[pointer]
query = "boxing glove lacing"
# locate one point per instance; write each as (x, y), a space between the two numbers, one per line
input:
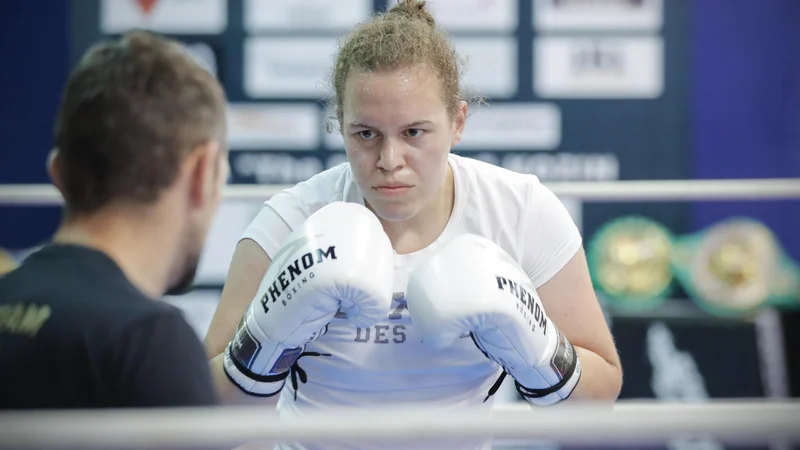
(499, 382)
(524, 391)
(297, 371)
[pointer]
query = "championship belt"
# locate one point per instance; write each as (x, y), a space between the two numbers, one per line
(629, 262)
(786, 283)
(734, 267)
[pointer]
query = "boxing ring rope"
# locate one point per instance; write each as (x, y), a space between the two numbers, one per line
(618, 191)
(634, 423)
(739, 422)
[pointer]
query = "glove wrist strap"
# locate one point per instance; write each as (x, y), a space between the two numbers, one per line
(252, 383)
(556, 393)
(565, 364)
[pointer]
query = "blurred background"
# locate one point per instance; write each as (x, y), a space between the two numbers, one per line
(579, 90)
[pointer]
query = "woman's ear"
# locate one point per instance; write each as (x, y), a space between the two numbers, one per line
(337, 113)
(459, 122)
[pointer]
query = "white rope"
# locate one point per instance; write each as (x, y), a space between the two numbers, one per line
(619, 191)
(753, 422)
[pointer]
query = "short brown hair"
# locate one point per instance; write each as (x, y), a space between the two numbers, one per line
(132, 110)
(404, 36)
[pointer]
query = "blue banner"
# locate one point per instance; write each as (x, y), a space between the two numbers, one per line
(35, 64)
(746, 105)
(728, 104)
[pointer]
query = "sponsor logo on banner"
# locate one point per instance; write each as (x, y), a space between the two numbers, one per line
(287, 67)
(491, 68)
(253, 126)
(556, 166)
(475, 15)
(598, 14)
(513, 126)
(164, 16)
(676, 378)
(599, 67)
(269, 15)
(279, 167)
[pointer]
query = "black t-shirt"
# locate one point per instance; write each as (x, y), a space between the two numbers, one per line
(75, 333)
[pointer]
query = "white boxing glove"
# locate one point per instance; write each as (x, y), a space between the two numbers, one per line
(472, 286)
(340, 258)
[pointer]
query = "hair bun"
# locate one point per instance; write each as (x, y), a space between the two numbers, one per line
(414, 10)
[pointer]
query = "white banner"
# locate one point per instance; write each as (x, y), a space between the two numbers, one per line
(598, 67)
(164, 16)
(287, 67)
(254, 126)
(475, 15)
(492, 63)
(561, 166)
(611, 15)
(281, 15)
(333, 140)
(226, 229)
(275, 167)
(513, 126)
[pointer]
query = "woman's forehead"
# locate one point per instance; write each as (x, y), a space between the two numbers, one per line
(407, 90)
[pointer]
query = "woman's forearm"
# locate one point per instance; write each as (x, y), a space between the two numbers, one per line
(600, 380)
(230, 394)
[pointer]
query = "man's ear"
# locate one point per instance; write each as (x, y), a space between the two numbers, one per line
(54, 169)
(202, 166)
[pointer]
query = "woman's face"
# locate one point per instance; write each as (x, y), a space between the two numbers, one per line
(398, 133)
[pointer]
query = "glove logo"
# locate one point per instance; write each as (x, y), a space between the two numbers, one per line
(527, 305)
(564, 357)
(286, 360)
(296, 270)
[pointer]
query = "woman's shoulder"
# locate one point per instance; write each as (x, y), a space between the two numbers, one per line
(325, 187)
(485, 173)
(491, 186)
(289, 208)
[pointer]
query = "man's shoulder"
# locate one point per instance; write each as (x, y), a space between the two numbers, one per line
(62, 312)
(77, 290)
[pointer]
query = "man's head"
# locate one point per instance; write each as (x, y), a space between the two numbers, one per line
(142, 126)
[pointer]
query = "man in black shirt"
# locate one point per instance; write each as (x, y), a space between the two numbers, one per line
(140, 160)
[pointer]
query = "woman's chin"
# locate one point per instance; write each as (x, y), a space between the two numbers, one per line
(393, 211)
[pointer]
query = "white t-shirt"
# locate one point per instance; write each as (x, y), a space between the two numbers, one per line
(387, 363)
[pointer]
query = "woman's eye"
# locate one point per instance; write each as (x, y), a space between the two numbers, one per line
(415, 132)
(366, 134)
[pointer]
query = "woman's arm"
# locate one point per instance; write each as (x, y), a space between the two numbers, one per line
(248, 267)
(571, 303)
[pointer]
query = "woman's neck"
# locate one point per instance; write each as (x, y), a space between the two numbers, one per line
(425, 227)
